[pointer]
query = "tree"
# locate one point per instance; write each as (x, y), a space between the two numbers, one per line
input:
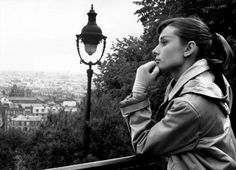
(109, 138)
(56, 143)
(118, 70)
(10, 142)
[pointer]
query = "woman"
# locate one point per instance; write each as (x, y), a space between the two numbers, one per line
(195, 132)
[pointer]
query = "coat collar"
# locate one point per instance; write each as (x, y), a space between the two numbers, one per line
(198, 80)
(197, 68)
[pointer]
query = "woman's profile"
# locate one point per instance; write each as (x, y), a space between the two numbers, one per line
(195, 131)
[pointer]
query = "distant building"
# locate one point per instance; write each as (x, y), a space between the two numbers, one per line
(40, 110)
(69, 106)
(5, 101)
(20, 92)
(14, 110)
(19, 115)
(70, 109)
(25, 100)
(27, 103)
(30, 105)
(26, 123)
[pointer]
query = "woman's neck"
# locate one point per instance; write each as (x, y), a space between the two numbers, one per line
(179, 71)
(176, 75)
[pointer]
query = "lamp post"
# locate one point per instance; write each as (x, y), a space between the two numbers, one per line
(91, 36)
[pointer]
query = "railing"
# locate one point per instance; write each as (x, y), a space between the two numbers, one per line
(134, 162)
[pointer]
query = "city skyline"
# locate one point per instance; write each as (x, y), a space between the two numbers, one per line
(40, 35)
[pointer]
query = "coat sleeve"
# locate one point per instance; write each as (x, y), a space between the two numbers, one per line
(177, 132)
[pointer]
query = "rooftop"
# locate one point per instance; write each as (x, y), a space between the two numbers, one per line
(27, 118)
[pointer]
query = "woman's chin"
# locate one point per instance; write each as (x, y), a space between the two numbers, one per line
(161, 68)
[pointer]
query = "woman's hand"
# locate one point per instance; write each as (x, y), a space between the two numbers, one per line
(145, 74)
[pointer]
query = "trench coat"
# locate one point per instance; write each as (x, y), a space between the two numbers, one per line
(195, 132)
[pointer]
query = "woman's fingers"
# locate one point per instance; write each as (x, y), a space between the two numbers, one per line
(155, 71)
(149, 66)
(150, 69)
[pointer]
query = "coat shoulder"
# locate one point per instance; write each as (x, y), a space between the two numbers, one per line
(211, 117)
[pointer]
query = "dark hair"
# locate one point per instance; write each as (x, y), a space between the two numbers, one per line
(212, 46)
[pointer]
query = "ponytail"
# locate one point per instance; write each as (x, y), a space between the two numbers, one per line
(221, 57)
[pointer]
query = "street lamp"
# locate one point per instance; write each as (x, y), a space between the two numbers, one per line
(91, 36)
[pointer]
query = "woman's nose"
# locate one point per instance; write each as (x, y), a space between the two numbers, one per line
(155, 51)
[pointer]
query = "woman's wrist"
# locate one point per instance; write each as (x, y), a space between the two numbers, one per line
(139, 95)
(133, 98)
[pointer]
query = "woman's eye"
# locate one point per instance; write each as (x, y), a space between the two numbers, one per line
(163, 42)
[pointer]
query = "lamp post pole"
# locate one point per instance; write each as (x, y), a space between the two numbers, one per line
(91, 35)
(86, 138)
(89, 75)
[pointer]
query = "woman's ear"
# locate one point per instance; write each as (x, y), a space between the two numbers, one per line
(190, 49)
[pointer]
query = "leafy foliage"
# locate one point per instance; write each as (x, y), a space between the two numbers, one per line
(118, 70)
(56, 143)
(10, 141)
(109, 138)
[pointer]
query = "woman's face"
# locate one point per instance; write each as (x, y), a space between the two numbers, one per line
(169, 53)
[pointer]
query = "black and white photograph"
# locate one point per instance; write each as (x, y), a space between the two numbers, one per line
(117, 84)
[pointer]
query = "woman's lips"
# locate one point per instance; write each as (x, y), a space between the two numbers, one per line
(157, 61)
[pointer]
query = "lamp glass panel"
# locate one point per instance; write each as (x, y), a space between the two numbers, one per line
(90, 48)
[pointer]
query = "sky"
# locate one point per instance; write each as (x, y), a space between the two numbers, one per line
(39, 35)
